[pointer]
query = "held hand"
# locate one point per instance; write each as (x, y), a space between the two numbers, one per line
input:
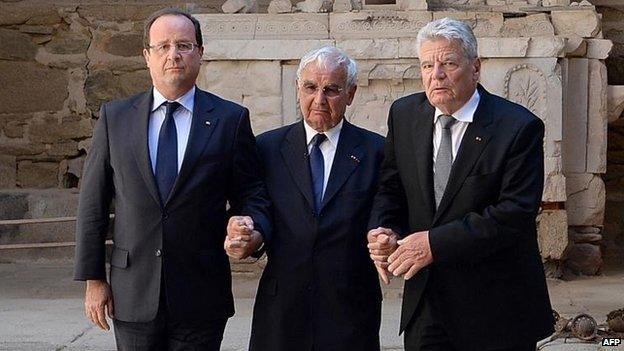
(413, 254)
(98, 298)
(381, 243)
(240, 228)
(242, 247)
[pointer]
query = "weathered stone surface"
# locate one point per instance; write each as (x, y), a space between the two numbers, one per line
(264, 26)
(597, 118)
(8, 172)
(63, 148)
(598, 48)
(64, 42)
(483, 24)
(584, 259)
(584, 23)
(552, 234)
(123, 44)
(15, 129)
(46, 87)
(102, 86)
(37, 174)
(237, 79)
(32, 14)
(554, 180)
(585, 238)
(409, 5)
(372, 25)
(50, 130)
(370, 48)
(42, 30)
(285, 6)
(529, 26)
(97, 13)
(314, 6)
(499, 47)
(574, 146)
(546, 47)
(575, 46)
(615, 101)
(555, 2)
(20, 147)
(586, 199)
(240, 6)
(260, 49)
(77, 101)
(16, 45)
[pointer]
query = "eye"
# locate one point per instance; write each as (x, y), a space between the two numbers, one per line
(332, 91)
(185, 47)
(426, 66)
(162, 48)
(309, 88)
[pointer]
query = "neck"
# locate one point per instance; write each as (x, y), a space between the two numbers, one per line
(172, 94)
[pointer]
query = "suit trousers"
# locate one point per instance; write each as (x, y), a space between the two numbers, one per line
(425, 332)
(166, 334)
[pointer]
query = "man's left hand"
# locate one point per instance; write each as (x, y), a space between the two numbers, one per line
(412, 255)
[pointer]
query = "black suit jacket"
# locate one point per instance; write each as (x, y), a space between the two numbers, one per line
(319, 286)
(180, 240)
(487, 273)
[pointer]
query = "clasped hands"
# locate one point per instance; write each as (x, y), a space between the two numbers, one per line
(241, 240)
(398, 257)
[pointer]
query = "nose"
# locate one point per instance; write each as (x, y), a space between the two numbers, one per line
(319, 97)
(173, 52)
(438, 71)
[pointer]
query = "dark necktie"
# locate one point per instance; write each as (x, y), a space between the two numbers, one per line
(317, 168)
(444, 158)
(167, 154)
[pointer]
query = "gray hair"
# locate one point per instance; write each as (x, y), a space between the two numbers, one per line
(330, 57)
(449, 29)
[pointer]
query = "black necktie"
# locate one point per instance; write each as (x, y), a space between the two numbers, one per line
(317, 168)
(167, 154)
(444, 158)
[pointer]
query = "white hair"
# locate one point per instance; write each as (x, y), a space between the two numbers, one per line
(330, 57)
(449, 29)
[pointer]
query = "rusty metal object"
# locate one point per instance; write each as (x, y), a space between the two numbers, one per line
(584, 327)
(615, 320)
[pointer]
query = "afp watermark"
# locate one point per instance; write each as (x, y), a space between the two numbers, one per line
(611, 342)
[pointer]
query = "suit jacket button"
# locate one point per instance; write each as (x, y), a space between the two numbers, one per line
(158, 253)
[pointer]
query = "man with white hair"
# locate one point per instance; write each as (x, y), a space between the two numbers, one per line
(319, 290)
(460, 186)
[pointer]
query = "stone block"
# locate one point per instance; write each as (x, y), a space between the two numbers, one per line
(285, 6)
(260, 49)
(575, 46)
(50, 130)
(584, 259)
(265, 112)
(574, 146)
(261, 78)
(554, 180)
(116, 51)
(597, 118)
(67, 43)
(370, 48)
(529, 26)
(46, 87)
(483, 24)
(314, 6)
(16, 46)
(240, 6)
(586, 199)
(369, 24)
(123, 44)
(99, 12)
(546, 47)
(20, 147)
(40, 30)
(219, 26)
(584, 23)
(503, 47)
(15, 129)
(292, 26)
(33, 13)
(552, 234)
(550, 3)
(37, 174)
(585, 238)
(103, 85)
(599, 48)
(63, 148)
(615, 101)
(8, 173)
(409, 5)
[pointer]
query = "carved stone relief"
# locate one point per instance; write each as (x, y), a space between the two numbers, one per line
(526, 85)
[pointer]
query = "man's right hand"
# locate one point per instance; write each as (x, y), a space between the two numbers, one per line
(99, 298)
(382, 242)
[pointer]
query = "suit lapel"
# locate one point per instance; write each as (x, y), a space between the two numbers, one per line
(295, 153)
(473, 142)
(139, 125)
(422, 132)
(203, 123)
(347, 158)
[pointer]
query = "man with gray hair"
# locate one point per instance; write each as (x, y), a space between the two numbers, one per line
(460, 186)
(319, 290)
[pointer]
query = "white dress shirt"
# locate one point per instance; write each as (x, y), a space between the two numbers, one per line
(182, 118)
(464, 117)
(328, 147)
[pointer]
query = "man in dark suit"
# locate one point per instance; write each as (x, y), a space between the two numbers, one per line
(168, 159)
(319, 290)
(461, 185)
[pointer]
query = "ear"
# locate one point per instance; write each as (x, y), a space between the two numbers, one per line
(476, 67)
(200, 50)
(146, 56)
(351, 95)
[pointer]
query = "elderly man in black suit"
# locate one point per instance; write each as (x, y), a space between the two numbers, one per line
(319, 290)
(169, 159)
(460, 186)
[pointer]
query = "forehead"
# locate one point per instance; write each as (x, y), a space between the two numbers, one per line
(172, 27)
(440, 47)
(326, 73)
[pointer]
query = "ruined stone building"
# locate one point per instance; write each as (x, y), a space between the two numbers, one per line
(563, 60)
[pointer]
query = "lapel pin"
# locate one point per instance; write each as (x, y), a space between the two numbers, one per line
(478, 139)
(207, 123)
(357, 160)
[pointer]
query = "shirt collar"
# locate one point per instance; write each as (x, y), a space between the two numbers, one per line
(187, 100)
(332, 135)
(466, 112)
